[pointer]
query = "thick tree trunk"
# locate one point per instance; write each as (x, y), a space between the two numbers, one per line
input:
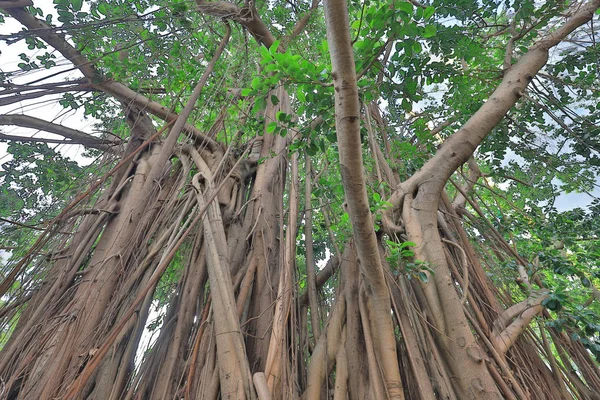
(347, 123)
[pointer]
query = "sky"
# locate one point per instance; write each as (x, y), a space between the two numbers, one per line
(49, 109)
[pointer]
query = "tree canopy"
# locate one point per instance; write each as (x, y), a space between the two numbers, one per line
(299, 200)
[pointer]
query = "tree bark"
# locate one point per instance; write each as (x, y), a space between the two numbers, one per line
(347, 122)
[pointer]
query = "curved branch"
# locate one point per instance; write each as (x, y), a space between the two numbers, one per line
(322, 277)
(45, 32)
(247, 16)
(78, 85)
(457, 149)
(74, 136)
(505, 336)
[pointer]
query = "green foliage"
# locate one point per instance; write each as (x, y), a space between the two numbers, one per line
(398, 251)
(400, 258)
(36, 181)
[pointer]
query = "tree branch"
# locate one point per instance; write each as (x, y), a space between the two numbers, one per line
(457, 149)
(247, 16)
(75, 136)
(39, 90)
(15, 4)
(45, 32)
(301, 23)
(470, 181)
(523, 312)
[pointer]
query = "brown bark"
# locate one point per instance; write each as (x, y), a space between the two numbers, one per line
(311, 275)
(74, 136)
(351, 167)
(463, 355)
(277, 358)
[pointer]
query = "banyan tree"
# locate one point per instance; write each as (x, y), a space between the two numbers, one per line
(296, 200)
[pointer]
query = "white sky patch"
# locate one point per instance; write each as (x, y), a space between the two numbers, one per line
(47, 107)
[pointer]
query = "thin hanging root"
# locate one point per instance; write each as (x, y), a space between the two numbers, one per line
(341, 370)
(43, 238)
(246, 286)
(192, 360)
(255, 223)
(91, 366)
(373, 144)
(311, 280)
(375, 373)
(325, 350)
(465, 293)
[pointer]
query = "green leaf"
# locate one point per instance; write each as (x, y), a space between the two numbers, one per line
(412, 30)
(259, 104)
(406, 7)
(257, 83)
(103, 8)
(430, 31)
(265, 55)
(325, 46)
(586, 282)
(301, 95)
(65, 15)
(271, 68)
(312, 150)
(246, 92)
(417, 48)
(271, 126)
(274, 47)
(429, 11)
(274, 100)
(76, 4)
(419, 13)
(376, 197)
(551, 304)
